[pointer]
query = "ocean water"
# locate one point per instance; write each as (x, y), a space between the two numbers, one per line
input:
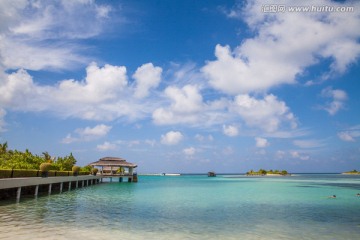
(193, 207)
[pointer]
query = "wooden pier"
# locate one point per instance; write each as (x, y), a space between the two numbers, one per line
(70, 181)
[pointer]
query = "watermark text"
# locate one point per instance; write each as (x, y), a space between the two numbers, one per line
(279, 8)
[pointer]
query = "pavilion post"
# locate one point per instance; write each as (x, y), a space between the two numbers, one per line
(18, 194)
(36, 190)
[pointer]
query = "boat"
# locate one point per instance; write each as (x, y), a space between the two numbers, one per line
(211, 174)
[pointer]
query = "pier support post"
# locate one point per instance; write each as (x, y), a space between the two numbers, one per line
(83, 183)
(69, 186)
(120, 179)
(36, 190)
(77, 184)
(61, 187)
(87, 182)
(18, 194)
(50, 185)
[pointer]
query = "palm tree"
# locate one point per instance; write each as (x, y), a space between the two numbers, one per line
(47, 157)
(3, 147)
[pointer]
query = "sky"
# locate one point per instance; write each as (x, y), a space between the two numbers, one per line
(184, 86)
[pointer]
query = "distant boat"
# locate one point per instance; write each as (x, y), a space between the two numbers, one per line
(211, 174)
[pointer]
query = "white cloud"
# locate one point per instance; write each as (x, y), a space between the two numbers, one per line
(171, 138)
(199, 137)
(301, 156)
(69, 139)
(267, 113)
(230, 130)
(106, 146)
(283, 47)
(202, 138)
(350, 134)
(151, 142)
(189, 151)
(95, 132)
(261, 142)
(280, 154)
(309, 143)
(103, 95)
(42, 35)
(147, 77)
(346, 136)
(338, 98)
(88, 133)
(16, 89)
(2, 121)
(186, 103)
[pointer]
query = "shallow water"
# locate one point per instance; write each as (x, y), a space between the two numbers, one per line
(193, 207)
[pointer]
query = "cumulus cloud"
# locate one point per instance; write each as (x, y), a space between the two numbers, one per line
(298, 155)
(346, 136)
(147, 76)
(88, 133)
(261, 142)
(189, 151)
(230, 130)
(338, 98)
(171, 138)
(97, 131)
(186, 103)
(267, 113)
(106, 146)
(187, 107)
(283, 46)
(104, 94)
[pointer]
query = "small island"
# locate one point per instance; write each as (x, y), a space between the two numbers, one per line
(263, 172)
(352, 172)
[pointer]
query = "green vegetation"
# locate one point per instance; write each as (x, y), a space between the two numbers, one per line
(14, 159)
(263, 172)
(45, 167)
(94, 171)
(352, 172)
(14, 163)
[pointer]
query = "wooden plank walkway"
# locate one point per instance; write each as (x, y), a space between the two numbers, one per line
(18, 183)
(33, 181)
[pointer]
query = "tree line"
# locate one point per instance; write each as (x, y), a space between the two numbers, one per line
(14, 159)
(264, 172)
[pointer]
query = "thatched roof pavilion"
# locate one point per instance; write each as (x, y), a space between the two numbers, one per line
(113, 162)
(114, 166)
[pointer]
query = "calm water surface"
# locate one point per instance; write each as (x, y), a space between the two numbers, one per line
(193, 207)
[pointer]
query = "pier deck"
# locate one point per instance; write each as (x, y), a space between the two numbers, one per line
(18, 183)
(33, 181)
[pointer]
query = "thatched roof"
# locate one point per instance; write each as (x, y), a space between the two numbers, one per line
(114, 162)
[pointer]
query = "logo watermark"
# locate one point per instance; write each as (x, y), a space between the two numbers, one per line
(279, 8)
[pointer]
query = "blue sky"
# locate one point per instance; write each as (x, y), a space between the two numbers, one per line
(183, 86)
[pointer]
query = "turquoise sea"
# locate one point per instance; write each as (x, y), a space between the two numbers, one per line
(193, 207)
